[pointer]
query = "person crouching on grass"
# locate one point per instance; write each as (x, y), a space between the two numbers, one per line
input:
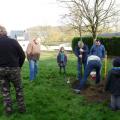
(62, 59)
(93, 63)
(113, 84)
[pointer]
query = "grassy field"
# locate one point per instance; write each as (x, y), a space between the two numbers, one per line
(50, 98)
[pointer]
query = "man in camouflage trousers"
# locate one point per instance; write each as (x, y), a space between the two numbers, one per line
(11, 60)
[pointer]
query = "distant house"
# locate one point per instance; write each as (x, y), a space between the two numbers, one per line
(21, 36)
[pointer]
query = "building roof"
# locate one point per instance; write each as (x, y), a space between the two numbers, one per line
(115, 34)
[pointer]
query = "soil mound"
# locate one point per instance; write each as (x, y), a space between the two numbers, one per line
(92, 92)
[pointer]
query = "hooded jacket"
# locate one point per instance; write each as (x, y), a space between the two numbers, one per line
(113, 81)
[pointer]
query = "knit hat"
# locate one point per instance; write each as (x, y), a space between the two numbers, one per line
(116, 62)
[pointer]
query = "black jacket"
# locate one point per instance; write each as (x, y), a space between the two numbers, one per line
(113, 82)
(11, 53)
(85, 53)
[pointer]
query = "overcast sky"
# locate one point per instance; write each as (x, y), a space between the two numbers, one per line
(21, 14)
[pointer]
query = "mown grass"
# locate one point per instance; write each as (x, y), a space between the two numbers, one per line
(50, 98)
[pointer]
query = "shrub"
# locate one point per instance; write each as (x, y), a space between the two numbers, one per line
(112, 45)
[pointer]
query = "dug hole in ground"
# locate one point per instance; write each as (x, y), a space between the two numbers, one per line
(92, 92)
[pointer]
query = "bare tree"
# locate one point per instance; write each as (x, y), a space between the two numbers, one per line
(90, 15)
(73, 18)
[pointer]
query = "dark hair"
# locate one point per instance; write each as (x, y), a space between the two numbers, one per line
(98, 40)
(116, 62)
(61, 49)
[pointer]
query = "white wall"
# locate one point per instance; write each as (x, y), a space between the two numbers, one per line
(23, 44)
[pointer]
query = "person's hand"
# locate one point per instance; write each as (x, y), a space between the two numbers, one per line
(81, 50)
(80, 56)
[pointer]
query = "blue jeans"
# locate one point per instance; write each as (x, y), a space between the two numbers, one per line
(79, 68)
(92, 65)
(33, 69)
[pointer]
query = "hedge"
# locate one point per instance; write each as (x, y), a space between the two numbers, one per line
(112, 45)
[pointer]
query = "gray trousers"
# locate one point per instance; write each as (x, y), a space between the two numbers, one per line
(115, 102)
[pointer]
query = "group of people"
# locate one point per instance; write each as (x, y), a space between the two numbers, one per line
(12, 58)
(91, 60)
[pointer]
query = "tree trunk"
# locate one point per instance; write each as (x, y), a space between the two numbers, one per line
(94, 36)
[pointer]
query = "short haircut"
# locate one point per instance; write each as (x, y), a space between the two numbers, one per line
(2, 31)
(98, 40)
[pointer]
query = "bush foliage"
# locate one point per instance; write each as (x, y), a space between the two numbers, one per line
(112, 45)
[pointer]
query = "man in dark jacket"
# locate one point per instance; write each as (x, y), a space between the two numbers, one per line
(81, 51)
(113, 84)
(11, 60)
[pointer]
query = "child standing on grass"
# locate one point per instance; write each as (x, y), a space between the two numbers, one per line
(113, 84)
(62, 59)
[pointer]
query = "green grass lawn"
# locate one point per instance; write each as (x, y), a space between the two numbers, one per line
(50, 98)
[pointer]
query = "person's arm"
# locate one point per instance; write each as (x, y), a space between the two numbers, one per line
(91, 50)
(65, 59)
(103, 51)
(76, 52)
(86, 50)
(29, 49)
(21, 54)
(58, 58)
